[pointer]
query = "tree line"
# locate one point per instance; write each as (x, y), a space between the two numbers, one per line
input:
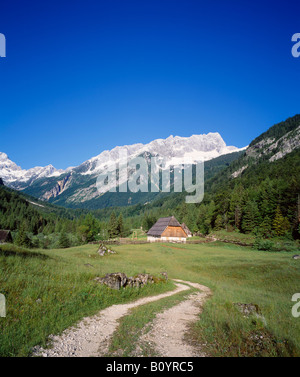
(264, 200)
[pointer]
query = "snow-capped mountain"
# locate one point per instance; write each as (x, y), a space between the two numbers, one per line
(77, 185)
(173, 150)
(14, 176)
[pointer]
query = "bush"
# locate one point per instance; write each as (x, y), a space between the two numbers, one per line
(261, 244)
(276, 244)
(22, 239)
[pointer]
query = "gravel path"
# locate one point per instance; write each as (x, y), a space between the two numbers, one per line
(167, 330)
(91, 336)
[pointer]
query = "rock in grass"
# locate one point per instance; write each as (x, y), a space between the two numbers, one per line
(165, 275)
(251, 310)
(119, 280)
(103, 250)
(247, 309)
(114, 280)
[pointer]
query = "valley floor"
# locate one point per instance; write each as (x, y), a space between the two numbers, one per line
(49, 291)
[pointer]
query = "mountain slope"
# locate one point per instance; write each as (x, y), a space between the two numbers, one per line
(278, 141)
(76, 187)
(19, 211)
(259, 192)
(263, 198)
(16, 177)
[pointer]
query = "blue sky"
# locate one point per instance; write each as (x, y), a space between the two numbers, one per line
(84, 76)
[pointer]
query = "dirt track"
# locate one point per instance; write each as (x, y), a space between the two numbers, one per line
(91, 336)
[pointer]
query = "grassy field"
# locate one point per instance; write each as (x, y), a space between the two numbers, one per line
(47, 291)
(222, 235)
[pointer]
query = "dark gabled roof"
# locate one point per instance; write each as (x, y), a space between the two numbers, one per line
(186, 229)
(5, 235)
(161, 224)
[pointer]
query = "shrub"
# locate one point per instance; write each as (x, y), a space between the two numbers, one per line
(261, 244)
(276, 244)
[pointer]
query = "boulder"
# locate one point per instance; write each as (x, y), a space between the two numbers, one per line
(145, 279)
(119, 279)
(122, 277)
(103, 250)
(134, 282)
(114, 281)
(247, 309)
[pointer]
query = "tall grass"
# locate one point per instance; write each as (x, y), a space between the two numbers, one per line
(236, 274)
(49, 290)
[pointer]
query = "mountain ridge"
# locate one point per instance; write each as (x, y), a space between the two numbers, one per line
(76, 187)
(47, 183)
(246, 201)
(205, 146)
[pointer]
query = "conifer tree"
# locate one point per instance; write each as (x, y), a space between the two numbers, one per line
(281, 224)
(120, 227)
(250, 217)
(148, 221)
(22, 238)
(112, 226)
(64, 240)
(219, 223)
(265, 227)
(236, 205)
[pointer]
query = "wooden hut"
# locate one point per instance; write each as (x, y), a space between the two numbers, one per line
(167, 229)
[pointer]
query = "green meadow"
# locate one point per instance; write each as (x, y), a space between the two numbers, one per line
(49, 290)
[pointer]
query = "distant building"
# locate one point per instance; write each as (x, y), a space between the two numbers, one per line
(186, 229)
(5, 236)
(167, 229)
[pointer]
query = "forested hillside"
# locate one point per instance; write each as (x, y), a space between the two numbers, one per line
(38, 223)
(255, 191)
(278, 130)
(110, 199)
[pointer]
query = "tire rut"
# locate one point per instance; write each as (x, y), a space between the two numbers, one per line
(92, 335)
(168, 329)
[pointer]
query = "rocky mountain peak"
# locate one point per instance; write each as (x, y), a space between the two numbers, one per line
(173, 149)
